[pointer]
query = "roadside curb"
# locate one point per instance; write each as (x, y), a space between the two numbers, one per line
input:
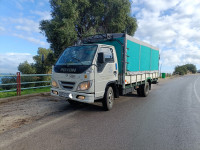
(9, 99)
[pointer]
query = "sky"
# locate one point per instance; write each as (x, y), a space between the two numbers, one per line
(171, 25)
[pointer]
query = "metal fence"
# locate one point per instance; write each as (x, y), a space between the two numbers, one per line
(18, 82)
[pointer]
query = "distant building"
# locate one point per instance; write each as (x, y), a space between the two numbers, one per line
(198, 71)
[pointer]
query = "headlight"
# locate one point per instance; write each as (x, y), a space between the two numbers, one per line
(84, 85)
(54, 83)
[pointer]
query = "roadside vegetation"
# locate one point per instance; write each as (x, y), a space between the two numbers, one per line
(185, 69)
(24, 92)
(38, 67)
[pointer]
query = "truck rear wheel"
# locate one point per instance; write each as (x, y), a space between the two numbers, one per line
(139, 91)
(108, 99)
(145, 89)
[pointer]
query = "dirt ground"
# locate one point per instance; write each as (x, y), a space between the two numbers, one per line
(17, 113)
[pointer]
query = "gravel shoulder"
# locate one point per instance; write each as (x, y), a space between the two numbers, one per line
(15, 113)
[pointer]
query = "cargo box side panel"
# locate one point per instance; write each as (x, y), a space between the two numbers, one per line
(118, 48)
(145, 58)
(133, 52)
(154, 59)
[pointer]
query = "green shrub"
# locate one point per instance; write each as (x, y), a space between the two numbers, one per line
(6, 80)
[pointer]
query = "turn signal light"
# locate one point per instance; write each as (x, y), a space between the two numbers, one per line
(55, 92)
(81, 97)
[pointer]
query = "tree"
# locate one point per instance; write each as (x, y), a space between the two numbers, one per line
(6, 80)
(191, 67)
(37, 68)
(75, 19)
(49, 60)
(181, 70)
(44, 67)
(184, 69)
(26, 68)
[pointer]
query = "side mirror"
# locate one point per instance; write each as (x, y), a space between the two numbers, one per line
(42, 59)
(101, 58)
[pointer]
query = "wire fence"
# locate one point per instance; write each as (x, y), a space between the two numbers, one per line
(20, 82)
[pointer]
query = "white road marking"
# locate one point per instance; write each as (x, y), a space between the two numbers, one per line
(195, 89)
(5, 143)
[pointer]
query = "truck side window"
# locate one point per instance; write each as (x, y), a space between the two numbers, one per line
(108, 54)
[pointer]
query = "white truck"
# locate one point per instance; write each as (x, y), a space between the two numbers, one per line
(104, 67)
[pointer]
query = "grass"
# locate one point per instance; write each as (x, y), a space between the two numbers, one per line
(24, 92)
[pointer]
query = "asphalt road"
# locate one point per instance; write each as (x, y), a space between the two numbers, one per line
(168, 119)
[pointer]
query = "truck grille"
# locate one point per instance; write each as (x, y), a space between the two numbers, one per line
(67, 85)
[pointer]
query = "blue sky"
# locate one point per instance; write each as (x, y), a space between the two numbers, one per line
(19, 22)
(171, 25)
(20, 36)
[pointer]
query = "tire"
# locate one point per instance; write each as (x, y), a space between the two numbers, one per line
(139, 91)
(108, 99)
(73, 103)
(149, 86)
(145, 89)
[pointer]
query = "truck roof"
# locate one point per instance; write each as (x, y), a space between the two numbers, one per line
(110, 36)
(98, 44)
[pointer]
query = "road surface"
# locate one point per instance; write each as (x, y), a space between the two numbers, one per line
(168, 119)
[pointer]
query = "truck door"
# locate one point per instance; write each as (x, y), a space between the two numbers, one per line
(106, 71)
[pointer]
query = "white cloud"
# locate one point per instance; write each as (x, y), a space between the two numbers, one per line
(44, 15)
(25, 24)
(22, 1)
(10, 61)
(160, 5)
(40, 4)
(24, 28)
(2, 28)
(171, 25)
(31, 39)
(19, 4)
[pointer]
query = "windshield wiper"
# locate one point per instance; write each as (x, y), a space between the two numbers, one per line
(78, 60)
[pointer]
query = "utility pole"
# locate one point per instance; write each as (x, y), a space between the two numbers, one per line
(160, 69)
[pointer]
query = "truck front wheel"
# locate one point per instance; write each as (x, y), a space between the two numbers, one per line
(108, 99)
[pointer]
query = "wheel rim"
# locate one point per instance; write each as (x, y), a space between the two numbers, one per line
(110, 98)
(147, 89)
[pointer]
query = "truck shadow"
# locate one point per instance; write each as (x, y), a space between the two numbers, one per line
(132, 95)
(97, 106)
(67, 108)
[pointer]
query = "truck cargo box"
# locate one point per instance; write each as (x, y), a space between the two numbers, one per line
(135, 55)
(138, 62)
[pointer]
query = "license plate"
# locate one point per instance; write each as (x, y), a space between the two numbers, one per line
(62, 94)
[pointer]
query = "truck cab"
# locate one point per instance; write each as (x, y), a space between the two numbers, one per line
(86, 73)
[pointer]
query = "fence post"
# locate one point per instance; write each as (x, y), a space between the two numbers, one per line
(18, 84)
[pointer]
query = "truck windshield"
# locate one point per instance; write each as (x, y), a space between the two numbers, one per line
(78, 55)
(76, 59)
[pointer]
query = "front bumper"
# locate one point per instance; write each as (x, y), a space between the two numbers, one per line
(89, 98)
